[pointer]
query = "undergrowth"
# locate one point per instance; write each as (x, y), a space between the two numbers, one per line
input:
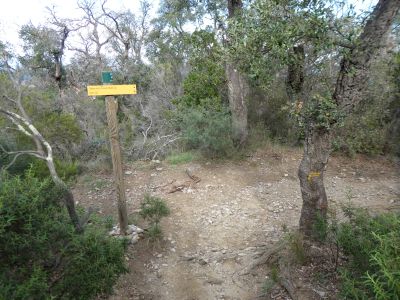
(42, 257)
(154, 209)
(371, 248)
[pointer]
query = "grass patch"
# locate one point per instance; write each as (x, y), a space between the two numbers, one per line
(181, 158)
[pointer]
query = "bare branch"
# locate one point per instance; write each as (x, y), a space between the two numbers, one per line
(10, 99)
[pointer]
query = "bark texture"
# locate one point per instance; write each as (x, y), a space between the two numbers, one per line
(351, 81)
(295, 75)
(311, 174)
(238, 89)
(354, 66)
(112, 107)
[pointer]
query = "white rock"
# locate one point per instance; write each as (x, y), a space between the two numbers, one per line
(135, 239)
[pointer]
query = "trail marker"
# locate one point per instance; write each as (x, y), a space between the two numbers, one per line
(109, 90)
(111, 109)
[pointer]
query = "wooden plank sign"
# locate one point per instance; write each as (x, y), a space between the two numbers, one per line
(110, 90)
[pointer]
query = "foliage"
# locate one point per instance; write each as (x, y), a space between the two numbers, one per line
(320, 112)
(260, 41)
(207, 130)
(393, 134)
(180, 158)
(373, 127)
(60, 129)
(42, 257)
(153, 209)
(373, 247)
(204, 85)
(67, 171)
(41, 44)
(362, 134)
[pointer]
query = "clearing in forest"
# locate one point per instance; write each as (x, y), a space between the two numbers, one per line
(227, 217)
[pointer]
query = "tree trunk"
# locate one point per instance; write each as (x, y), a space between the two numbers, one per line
(311, 175)
(238, 89)
(351, 82)
(67, 196)
(295, 74)
(237, 95)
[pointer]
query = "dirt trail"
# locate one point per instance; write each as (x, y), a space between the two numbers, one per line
(221, 224)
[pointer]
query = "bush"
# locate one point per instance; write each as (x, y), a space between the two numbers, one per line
(208, 130)
(42, 256)
(373, 247)
(180, 158)
(66, 170)
(153, 209)
(362, 134)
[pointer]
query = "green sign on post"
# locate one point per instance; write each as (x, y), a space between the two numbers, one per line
(106, 77)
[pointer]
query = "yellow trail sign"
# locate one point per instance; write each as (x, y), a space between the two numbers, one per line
(110, 90)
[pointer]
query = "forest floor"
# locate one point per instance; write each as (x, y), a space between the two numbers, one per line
(218, 225)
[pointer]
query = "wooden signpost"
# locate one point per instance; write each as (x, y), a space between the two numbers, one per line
(111, 109)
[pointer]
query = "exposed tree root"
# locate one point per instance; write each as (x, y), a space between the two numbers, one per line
(285, 279)
(266, 257)
(280, 257)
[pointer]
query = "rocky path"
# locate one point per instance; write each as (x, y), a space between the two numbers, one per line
(222, 223)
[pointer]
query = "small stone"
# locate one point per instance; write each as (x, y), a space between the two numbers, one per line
(128, 172)
(286, 175)
(134, 239)
(202, 261)
(159, 169)
(159, 255)
(320, 293)
(214, 281)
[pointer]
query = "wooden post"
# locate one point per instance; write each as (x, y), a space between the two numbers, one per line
(111, 108)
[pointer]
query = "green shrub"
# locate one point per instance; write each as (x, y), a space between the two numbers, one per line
(207, 130)
(153, 209)
(42, 257)
(66, 170)
(373, 247)
(180, 158)
(362, 134)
